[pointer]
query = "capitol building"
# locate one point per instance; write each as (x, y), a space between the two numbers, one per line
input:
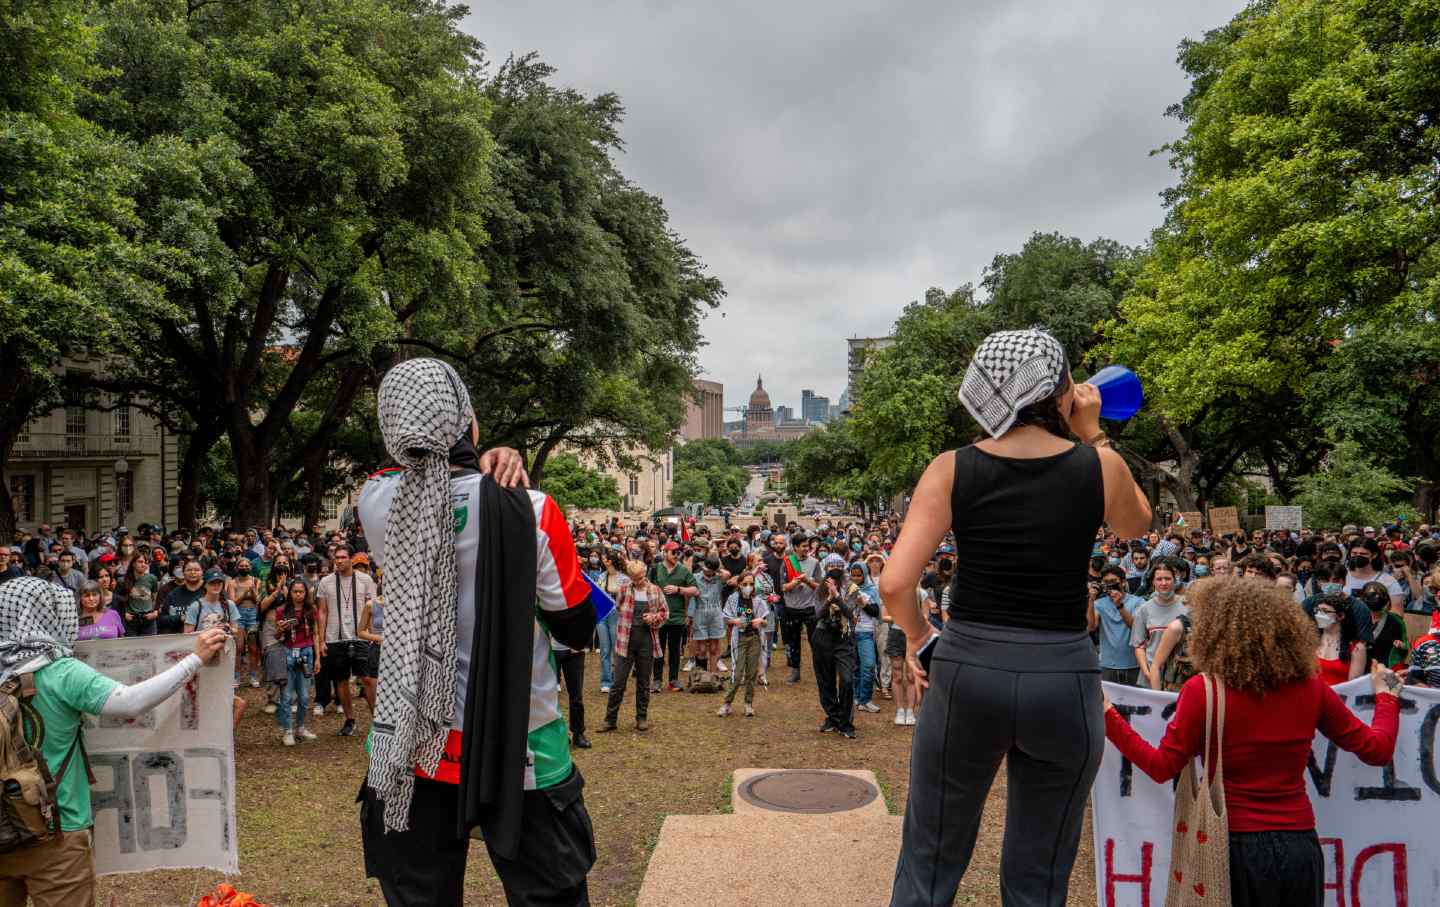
(761, 424)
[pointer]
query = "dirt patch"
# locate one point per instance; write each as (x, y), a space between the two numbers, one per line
(299, 827)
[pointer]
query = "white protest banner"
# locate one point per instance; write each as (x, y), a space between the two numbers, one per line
(1376, 825)
(164, 793)
(1278, 517)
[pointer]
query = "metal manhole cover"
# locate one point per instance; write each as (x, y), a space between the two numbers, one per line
(804, 791)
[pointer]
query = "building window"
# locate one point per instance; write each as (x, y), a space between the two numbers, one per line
(75, 428)
(22, 497)
(634, 484)
(122, 425)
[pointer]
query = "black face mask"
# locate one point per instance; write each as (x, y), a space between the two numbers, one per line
(1358, 563)
(1097, 564)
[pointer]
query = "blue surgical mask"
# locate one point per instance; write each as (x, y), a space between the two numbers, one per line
(1330, 588)
(1202, 570)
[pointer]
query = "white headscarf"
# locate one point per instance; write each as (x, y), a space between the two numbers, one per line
(424, 408)
(1009, 371)
(38, 621)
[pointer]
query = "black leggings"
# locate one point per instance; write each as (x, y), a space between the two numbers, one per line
(1030, 698)
(672, 645)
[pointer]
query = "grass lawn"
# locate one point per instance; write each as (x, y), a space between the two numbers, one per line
(298, 823)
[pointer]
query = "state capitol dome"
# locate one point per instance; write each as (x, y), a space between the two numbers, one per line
(759, 399)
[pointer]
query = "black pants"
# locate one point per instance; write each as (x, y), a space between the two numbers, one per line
(795, 627)
(572, 669)
(1030, 698)
(672, 649)
(639, 660)
(835, 659)
(1269, 868)
(1127, 676)
(425, 866)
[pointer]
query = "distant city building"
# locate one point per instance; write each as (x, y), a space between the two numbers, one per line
(813, 407)
(835, 411)
(859, 349)
(705, 419)
(761, 424)
(784, 414)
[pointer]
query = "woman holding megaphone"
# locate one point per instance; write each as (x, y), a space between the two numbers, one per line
(1014, 676)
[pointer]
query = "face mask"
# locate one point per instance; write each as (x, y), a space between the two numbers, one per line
(1324, 621)
(1114, 561)
(856, 546)
(1358, 563)
(1164, 596)
(746, 590)
(1330, 588)
(1202, 570)
(1304, 576)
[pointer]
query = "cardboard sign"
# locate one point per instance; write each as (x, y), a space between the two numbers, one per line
(164, 794)
(1376, 824)
(1224, 520)
(1278, 517)
(1194, 519)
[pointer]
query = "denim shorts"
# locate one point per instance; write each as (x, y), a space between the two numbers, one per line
(249, 619)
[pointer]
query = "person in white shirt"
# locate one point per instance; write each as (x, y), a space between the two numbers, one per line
(343, 595)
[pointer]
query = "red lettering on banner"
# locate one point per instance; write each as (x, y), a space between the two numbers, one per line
(1338, 886)
(1400, 870)
(190, 698)
(1147, 859)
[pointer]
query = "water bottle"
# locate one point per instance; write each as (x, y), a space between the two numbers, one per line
(1120, 393)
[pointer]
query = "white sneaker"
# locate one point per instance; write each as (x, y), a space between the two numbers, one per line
(254, 681)
(604, 688)
(910, 716)
(720, 665)
(271, 708)
(749, 711)
(900, 717)
(319, 710)
(868, 707)
(724, 711)
(305, 733)
(289, 739)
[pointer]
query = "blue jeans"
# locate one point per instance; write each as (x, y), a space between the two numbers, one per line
(865, 671)
(300, 665)
(606, 631)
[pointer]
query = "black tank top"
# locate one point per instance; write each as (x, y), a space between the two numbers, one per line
(1024, 530)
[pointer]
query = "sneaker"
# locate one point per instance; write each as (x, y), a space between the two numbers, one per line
(319, 710)
(724, 711)
(255, 681)
(581, 741)
(794, 676)
(900, 717)
(288, 739)
(885, 692)
(827, 727)
(655, 687)
(749, 711)
(271, 708)
(690, 665)
(642, 724)
(305, 733)
(606, 728)
(910, 716)
(604, 688)
(868, 707)
(675, 688)
(847, 733)
(347, 729)
(720, 665)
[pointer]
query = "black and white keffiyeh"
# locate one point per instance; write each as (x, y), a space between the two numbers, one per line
(423, 408)
(38, 622)
(1009, 371)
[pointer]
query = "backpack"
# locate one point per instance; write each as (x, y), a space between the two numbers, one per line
(704, 682)
(1179, 667)
(29, 808)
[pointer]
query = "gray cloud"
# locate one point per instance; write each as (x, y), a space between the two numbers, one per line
(829, 161)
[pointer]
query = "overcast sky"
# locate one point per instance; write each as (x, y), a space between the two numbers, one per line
(829, 161)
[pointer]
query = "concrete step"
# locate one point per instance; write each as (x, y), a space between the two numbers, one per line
(766, 858)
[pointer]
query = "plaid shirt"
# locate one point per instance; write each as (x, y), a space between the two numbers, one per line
(626, 607)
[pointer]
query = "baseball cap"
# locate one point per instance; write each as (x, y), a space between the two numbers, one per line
(671, 546)
(215, 575)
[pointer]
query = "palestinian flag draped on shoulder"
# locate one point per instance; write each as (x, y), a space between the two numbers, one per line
(792, 568)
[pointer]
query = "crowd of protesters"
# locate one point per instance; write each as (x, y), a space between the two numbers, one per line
(725, 608)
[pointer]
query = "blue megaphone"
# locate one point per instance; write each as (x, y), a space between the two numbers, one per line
(1120, 393)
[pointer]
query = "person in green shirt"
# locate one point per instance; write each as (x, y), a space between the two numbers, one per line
(38, 622)
(678, 584)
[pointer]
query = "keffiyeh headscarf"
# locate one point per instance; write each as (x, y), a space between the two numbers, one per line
(424, 408)
(38, 620)
(1010, 371)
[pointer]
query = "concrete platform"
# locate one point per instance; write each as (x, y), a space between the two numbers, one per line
(765, 858)
(741, 806)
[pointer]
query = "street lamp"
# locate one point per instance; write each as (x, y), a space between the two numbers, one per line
(122, 468)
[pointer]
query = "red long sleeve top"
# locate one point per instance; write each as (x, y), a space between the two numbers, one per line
(1267, 743)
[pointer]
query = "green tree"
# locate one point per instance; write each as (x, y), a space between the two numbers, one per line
(831, 463)
(322, 166)
(1352, 488)
(574, 485)
(689, 488)
(73, 252)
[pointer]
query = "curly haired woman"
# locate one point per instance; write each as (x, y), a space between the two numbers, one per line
(1251, 637)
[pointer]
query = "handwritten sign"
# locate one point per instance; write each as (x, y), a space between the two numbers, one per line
(1193, 519)
(1224, 520)
(1278, 517)
(1375, 824)
(164, 794)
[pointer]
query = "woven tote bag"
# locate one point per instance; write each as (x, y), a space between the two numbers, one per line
(1200, 854)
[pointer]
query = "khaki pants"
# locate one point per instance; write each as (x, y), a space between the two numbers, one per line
(882, 633)
(56, 874)
(747, 665)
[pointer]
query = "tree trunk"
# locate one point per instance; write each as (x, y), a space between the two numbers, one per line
(22, 399)
(198, 445)
(547, 447)
(314, 487)
(254, 499)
